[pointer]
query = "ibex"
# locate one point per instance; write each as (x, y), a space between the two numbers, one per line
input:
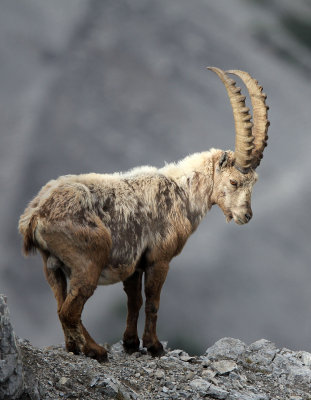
(98, 229)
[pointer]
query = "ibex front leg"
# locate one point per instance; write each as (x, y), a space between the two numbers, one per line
(132, 287)
(154, 278)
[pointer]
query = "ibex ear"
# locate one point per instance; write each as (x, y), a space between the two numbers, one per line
(223, 160)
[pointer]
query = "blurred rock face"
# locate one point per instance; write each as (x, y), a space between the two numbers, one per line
(104, 86)
(11, 370)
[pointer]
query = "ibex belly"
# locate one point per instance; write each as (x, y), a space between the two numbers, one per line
(111, 275)
(127, 249)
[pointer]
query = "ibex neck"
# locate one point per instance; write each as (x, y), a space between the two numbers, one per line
(194, 174)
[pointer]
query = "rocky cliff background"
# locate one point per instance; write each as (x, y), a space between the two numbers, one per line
(92, 85)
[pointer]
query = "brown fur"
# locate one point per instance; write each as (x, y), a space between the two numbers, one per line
(97, 229)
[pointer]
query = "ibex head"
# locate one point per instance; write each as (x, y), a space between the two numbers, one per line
(235, 173)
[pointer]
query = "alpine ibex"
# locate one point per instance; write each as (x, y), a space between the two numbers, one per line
(99, 229)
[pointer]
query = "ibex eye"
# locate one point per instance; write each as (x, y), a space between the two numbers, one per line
(233, 183)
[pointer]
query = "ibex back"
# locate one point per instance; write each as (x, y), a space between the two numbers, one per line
(99, 229)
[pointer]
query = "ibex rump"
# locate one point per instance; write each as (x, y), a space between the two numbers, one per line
(98, 229)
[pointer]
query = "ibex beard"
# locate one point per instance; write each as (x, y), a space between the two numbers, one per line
(99, 229)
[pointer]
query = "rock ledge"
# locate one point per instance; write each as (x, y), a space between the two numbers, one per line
(229, 370)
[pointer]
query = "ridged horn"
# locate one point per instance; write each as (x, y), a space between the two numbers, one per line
(260, 115)
(243, 127)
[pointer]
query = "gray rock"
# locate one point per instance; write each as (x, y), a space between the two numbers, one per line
(177, 353)
(217, 393)
(247, 396)
(110, 386)
(186, 358)
(159, 374)
(261, 354)
(113, 388)
(200, 385)
(288, 364)
(224, 366)
(305, 358)
(11, 370)
(299, 375)
(63, 380)
(164, 344)
(209, 374)
(117, 347)
(228, 348)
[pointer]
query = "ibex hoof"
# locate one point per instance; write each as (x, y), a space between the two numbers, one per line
(72, 347)
(131, 345)
(156, 350)
(99, 353)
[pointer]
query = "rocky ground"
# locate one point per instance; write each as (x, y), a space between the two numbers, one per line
(229, 370)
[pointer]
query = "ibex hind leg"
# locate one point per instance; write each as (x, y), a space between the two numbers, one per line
(77, 338)
(84, 251)
(56, 279)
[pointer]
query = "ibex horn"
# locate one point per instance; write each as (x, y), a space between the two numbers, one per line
(243, 127)
(260, 115)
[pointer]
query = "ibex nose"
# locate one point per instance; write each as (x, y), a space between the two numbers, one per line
(248, 216)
